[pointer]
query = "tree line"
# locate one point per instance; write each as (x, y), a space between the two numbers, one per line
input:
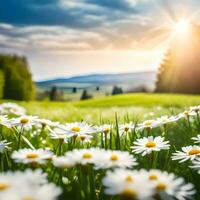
(15, 78)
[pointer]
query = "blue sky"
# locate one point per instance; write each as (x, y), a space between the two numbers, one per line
(68, 37)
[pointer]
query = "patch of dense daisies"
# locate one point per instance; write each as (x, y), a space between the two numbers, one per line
(114, 167)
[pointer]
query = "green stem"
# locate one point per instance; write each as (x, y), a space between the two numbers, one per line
(155, 158)
(19, 138)
(198, 118)
(106, 142)
(1, 132)
(188, 120)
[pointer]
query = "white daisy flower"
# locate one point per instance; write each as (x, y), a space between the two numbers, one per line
(196, 164)
(146, 145)
(10, 179)
(196, 139)
(105, 128)
(85, 156)
(33, 177)
(166, 119)
(127, 184)
(148, 124)
(63, 162)
(26, 156)
(186, 191)
(170, 184)
(46, 123)
(4, 146)
(6, 182)
(59, 134)
(24, 121)
(77, 128)
(195, 108)
(4, 121)
(115, 159)
(27, 185)
(30, 192)
(187, 153)
(85, 138)
(126, 128)
(12, 108)
(186, 114)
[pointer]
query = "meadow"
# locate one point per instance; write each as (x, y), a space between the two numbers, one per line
(133, 146)
(133, 105)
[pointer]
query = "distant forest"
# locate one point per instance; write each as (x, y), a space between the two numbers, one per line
(15, 78)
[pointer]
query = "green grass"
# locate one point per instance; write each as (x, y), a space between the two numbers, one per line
(133, 105)
(145, 100)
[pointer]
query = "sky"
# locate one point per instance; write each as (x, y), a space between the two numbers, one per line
(62, 38)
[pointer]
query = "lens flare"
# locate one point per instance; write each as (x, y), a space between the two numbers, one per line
(182, 26)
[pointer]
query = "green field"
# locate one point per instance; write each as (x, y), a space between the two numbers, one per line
(134, 105)
(79, 165)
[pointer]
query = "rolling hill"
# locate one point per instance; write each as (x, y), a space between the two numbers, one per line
(85, 81)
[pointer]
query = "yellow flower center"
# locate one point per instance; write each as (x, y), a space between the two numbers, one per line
(150, 144)
(186, 113)
(194, 152)
(32, 155)
(153, 177)
(76, 129)
(87, 155)
(129, 179)
(161, 186)
(114, 157)
(48, 158)
(106, 130)
(148, 123)
(4, 186)
(128, 193)
(24, 120)
(126, 129)
(28, 198)
(82, 137)
(44, 124)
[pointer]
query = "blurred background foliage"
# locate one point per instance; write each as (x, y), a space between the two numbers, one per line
(15, 78)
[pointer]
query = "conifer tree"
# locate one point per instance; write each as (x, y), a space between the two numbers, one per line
(180, 70)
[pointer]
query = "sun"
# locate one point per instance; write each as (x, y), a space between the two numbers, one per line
(181, 26)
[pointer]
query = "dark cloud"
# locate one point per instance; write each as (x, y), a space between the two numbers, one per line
(23, 12)
(50, 12)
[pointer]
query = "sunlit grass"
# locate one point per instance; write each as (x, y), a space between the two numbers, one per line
(133, 105)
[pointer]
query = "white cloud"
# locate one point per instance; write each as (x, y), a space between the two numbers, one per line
(78, 4)
(6, 26)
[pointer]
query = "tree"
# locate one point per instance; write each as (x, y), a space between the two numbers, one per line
(163, 80)
(53, 95)
(2, 82)
(97, 88)
(18, 80)
(74, 90)
(117, 90)
(85, 95)
(180, 70)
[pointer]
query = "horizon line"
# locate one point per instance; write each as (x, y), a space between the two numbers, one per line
(91, 74)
